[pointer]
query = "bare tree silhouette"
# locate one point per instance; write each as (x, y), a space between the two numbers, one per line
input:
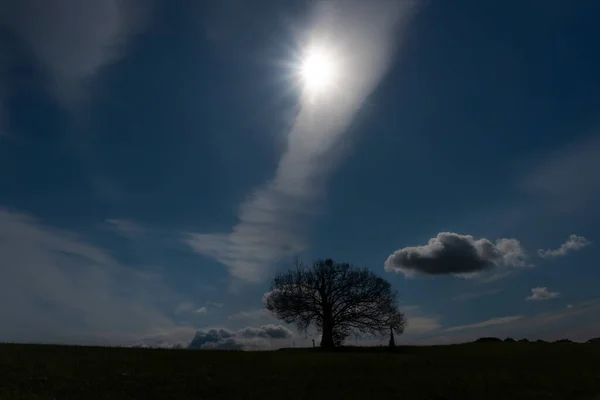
(336, 298)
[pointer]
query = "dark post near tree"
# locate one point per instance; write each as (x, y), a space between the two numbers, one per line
(336, 298)
(396, 324)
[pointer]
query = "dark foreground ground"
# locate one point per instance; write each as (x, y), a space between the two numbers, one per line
(471, 371)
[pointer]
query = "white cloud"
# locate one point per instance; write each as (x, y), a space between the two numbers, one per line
(542, 293)
(453, 253)
(273, 222)
(484, 324)
(573, 243)
(57, 287)
(511, 253)
(201, 310)
(213, 304)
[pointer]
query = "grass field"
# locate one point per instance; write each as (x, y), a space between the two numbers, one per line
(469, 371)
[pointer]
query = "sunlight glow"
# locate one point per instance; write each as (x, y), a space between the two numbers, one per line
(318, 70)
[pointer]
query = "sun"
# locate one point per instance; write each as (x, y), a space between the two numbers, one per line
(318, 69)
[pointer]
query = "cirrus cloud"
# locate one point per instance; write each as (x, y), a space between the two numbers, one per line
(57, 287)
(273, 223)
(483, 324)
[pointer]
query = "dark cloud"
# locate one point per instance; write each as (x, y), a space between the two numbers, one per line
(269, 331)
(238, 343)
(231, 343)
(452, 253)
(245, 339)
(202, 339)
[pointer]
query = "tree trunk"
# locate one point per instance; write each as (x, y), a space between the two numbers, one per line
(327, 337)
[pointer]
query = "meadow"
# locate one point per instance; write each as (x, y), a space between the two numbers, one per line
(467, 371)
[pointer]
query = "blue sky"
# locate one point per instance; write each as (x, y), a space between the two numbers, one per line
(160, 161)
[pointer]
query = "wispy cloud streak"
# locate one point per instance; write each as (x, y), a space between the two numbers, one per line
(72, 40)
(573, 243)
(273, 223)
(484, 324)
(57, 287)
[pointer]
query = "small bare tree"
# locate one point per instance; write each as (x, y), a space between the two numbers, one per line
(338, 299)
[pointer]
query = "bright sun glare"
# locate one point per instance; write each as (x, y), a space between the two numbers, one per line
(318, 70)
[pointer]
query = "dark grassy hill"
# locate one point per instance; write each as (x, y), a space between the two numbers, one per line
(470, 371)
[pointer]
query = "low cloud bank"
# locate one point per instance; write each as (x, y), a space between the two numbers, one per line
(245, 339)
